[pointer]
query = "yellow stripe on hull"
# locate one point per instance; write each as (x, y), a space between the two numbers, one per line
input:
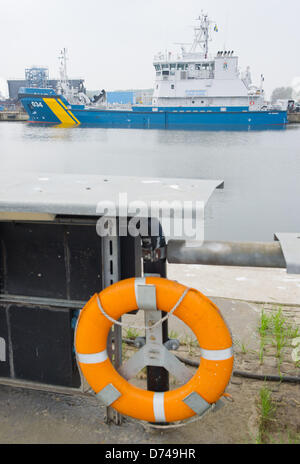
(61, 112)
(70, 112)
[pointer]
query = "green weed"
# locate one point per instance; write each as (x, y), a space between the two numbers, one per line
(267, 409)
(275, 329)
(174, 334)
(131, 333)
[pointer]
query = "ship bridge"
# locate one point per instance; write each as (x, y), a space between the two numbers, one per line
(185, 69)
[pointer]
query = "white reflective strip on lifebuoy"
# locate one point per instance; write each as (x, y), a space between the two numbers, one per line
(93, 358)
(217, 355)
(159, 407)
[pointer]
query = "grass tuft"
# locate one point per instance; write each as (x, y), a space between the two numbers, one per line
(267, 409)
(275, 329)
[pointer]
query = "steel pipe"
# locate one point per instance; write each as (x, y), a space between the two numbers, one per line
(248, 254)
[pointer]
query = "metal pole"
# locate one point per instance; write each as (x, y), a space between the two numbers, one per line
(110, 275)
(256, 254)
(158, 377)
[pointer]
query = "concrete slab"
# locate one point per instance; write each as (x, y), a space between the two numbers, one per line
(242, 319)
(263, 285)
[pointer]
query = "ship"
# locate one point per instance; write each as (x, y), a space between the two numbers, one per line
(192, 90)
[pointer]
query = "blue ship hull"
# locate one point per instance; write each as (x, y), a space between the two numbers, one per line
(44, 106)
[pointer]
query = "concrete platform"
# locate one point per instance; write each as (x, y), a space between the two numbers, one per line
(262, 285)
(13, 116)
(294, 118)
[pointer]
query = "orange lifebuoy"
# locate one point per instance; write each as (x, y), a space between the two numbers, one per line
(196, 310)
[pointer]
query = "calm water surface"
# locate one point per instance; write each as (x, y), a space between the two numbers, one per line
(261, 169)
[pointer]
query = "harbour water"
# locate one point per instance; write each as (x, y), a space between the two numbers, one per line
(261, 169)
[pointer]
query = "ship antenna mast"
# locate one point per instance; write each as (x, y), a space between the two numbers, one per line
(63, 70)
(202, 35)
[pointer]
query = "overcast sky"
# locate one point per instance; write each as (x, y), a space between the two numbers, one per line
(111, 43)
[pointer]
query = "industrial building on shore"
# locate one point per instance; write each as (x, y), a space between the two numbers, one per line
(38, 77)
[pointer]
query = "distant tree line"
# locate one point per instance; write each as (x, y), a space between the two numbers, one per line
(285, 93)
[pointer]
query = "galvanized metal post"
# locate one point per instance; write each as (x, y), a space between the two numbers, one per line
(110, 274)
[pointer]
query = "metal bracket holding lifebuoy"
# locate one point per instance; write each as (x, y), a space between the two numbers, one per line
(153, 353)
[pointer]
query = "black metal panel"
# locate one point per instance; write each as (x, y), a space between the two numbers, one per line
(83, 248)
(50, 260)
(42, 345)
(4, 364)
(131, 254)
(34, 260)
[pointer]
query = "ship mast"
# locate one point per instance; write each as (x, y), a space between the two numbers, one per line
(64, 84)
(202, 35)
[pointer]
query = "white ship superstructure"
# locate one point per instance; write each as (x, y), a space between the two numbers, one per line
(193, 78)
